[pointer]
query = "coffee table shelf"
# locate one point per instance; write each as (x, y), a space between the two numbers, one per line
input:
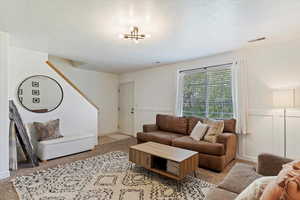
(154, 157)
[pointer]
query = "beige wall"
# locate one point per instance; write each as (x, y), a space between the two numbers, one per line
(4, 131)
(77, 116)
(156, 88)
(100, 87)
(269, 66)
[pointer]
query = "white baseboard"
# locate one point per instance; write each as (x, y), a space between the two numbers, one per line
(4, 174)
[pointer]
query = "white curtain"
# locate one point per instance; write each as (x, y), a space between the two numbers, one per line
(179, 95)
(240, 92)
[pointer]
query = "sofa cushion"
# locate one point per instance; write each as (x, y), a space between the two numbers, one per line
(270, 165)
(192, 121)
(150, 127)
(199, 131)
(239, 177)
(219, 194)
(172, 123)
(215, 128)
(158, 136)
(229, 125)
(187, 142)
(48, 130)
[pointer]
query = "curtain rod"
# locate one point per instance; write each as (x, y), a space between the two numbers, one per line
(211, 66)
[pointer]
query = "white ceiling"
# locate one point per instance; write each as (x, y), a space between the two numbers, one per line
(87, 30)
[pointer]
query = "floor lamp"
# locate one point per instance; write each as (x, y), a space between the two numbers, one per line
(284, 99)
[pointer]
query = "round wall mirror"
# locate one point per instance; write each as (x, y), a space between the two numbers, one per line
(40, 94)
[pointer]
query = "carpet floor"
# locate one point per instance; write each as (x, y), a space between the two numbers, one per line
(8, 192)
(107, 177)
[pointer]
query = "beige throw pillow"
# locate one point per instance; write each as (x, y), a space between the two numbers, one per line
(199, 131)
(47, 131)
(215, 128)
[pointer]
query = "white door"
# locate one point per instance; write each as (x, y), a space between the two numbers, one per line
(126, 108)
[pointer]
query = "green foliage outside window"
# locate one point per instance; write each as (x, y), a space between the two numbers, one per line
(208, 93)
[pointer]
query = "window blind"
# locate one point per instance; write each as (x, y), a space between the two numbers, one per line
(207, 92)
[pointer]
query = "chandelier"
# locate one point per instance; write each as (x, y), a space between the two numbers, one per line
(134, 35)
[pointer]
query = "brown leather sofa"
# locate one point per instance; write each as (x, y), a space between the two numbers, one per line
(175, 131)
(242, 175)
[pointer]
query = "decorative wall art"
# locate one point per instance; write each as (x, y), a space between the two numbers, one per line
(35, 84)
(35, 92)
(40, 94)
(36, 100)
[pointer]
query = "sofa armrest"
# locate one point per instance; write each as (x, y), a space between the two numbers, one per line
(150, 128)
(239, 177)
(270, 165)
(230, 142)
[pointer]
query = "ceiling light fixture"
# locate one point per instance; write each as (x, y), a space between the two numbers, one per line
(134, 35)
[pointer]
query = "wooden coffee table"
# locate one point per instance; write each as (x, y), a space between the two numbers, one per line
(166, 160)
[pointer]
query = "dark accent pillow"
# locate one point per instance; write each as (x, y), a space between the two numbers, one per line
(172, 123)
(47, 131)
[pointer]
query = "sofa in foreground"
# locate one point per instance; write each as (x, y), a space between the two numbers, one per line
(242, 175)
(175, 131)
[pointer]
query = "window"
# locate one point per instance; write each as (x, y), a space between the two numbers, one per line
(207, 92)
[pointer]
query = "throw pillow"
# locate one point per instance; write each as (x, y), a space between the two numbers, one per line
(255, 189)
(287, 184)
(199, 131)
(32, 136)
(215, 128)
(192, 122)
(47, 131)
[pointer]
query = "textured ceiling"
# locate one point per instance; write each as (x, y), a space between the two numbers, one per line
(87, 30)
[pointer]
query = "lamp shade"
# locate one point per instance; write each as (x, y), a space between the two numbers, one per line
(284, 98)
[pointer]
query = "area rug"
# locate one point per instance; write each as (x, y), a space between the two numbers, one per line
(106, 177)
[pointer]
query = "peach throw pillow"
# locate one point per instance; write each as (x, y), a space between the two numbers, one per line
(287, 184)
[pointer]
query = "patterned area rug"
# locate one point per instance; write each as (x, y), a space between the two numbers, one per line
(106, 177)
